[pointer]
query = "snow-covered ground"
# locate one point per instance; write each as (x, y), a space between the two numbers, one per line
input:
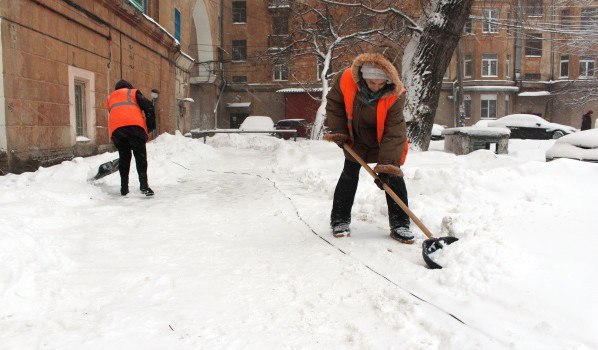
(234, 252)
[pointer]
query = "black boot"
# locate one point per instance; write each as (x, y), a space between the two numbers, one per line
(147, 191)
(143, 186)
(124, 186)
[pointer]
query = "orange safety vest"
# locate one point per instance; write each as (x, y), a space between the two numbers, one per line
(124, 110)
(349, 89)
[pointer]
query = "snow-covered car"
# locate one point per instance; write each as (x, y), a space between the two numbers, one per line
(582, 145)
(257, 123)
(437, 132)
(529, 126)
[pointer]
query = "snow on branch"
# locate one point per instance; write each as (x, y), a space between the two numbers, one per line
(414, 26)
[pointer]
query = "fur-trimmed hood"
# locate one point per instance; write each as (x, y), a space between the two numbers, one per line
(381, 62)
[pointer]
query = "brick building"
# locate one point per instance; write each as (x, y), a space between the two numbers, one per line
(511, 60)
(60, 60)
(205, 59)
(526, 56)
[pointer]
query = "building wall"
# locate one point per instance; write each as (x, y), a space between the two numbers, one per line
(527, 73)
(302, 106)
(517, 72)
(206, 74)
(46, 45)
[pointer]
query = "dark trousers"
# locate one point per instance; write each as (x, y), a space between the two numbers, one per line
(130, 140)
(344, 196)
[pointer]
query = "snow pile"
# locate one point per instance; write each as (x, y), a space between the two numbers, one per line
(234, 251)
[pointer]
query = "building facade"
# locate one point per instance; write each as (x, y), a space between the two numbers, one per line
(512, 58)
(523, 56)
(208, 64)
(61, 59)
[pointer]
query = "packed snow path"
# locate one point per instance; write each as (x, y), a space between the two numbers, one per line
(234, 252)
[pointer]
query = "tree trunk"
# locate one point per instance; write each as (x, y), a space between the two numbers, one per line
(317, 130)
(426, 58)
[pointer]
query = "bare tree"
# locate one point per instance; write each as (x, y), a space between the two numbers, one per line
(334, 29)
(425, 60)
(332, 33)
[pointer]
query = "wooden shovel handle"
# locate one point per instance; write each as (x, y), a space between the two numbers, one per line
(390, 192)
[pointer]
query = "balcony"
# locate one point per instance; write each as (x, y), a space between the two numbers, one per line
(276, 41)
(278, 5)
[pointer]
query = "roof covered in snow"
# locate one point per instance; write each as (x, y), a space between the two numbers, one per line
(533, 93)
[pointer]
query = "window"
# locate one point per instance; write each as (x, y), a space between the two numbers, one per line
(586, 67)
(489, 65)
(589, 19)
(139, 4)
(323, 26)
(468, 27)
(564, 67)
(507, 104)
(280, 72)
(467, 66)
(239, 12)
(488, 107)
(364, 22)
(566, 19)
(177, 24)
(533, 44)
(280, 25)
(508, 67)
(239, 50)
(82, 118)
(467, 106)
(236, 119)
(490, 24)
(239, 78)
(534, 8)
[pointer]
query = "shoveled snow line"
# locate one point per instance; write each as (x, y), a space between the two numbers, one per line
(342, 251)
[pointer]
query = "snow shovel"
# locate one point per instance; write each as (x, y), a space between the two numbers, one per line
(431, 244)
(106, 169)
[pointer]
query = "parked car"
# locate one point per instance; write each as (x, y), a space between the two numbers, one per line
(582, 145)
(437, 132)
(291, 124)
(257, 123)
(529, 126)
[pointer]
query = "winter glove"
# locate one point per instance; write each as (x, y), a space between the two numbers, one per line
(337, 138)
(385, 172)
(151, 124)
(382, 179)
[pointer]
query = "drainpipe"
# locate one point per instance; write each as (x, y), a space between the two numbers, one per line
(3, 136)
(218, 103)
(518, 43)
(552, 40)
(220, 62)
(460, 116)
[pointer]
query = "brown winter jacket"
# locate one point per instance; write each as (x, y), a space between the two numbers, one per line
(394, 137)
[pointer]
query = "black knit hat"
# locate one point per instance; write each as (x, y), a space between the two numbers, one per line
(123, 84)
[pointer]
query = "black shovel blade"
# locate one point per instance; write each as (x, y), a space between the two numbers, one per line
(431, 245)
(106, 169)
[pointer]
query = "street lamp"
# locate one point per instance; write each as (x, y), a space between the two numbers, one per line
(155, 94)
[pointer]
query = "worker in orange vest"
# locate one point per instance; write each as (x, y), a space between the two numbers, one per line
(365, 109)
(129, 129)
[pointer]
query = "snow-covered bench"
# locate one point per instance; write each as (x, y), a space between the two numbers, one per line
(467, 139)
